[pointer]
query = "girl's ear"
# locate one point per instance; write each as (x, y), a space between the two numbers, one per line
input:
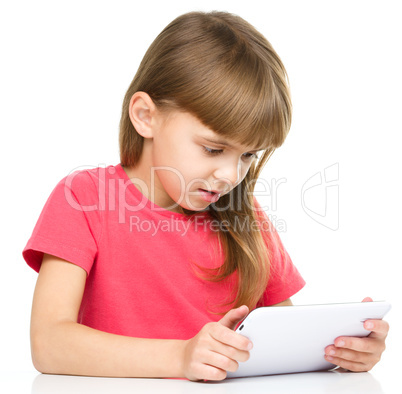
(142, 111)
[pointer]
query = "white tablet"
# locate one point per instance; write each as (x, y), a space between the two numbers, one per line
(289, 339)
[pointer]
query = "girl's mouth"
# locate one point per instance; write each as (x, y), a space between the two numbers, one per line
(209, 196)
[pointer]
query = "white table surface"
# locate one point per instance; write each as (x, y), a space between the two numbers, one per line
(309, 383)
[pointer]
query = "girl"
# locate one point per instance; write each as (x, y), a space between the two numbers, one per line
(146, 267)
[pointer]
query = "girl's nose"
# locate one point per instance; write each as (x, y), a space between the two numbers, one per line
(229, 173)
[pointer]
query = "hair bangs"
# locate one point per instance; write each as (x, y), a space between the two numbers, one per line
(238, 97)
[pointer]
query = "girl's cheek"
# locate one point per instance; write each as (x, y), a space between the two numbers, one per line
(244, 171)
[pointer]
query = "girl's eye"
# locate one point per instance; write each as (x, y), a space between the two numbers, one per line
(212, 152)
(250, 156)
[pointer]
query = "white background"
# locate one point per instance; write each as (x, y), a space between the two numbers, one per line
(65, 69)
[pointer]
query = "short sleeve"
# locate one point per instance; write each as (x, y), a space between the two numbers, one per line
(69, 225)
(284, 278)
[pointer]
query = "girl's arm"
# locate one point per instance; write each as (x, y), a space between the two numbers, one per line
(60, 345)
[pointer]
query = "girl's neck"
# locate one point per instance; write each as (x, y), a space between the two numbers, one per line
(147, 182)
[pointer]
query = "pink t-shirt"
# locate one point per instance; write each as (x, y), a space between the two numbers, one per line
(141, 260)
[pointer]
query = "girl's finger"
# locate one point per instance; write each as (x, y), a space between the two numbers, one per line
(222, 362)
(219, 361)
(229, 337)
(208, 372)
(234, 316)
(362, 345)
(350, 355)
(379, 328)
(230, 352)
(347, 364)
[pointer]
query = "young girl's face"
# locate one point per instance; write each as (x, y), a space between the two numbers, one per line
(192, 165)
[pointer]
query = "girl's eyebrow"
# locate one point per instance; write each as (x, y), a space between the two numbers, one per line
(225, 143)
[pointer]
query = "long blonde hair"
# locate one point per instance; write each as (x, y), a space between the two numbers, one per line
(220, 69)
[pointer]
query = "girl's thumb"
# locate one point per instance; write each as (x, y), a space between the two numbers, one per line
(234, 316)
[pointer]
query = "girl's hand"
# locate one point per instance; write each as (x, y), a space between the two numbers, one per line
(216, 349)
(359, 354)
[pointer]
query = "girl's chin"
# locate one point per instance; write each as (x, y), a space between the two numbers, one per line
(198, 206)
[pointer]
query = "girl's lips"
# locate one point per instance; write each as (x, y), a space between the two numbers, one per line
(209, 196)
